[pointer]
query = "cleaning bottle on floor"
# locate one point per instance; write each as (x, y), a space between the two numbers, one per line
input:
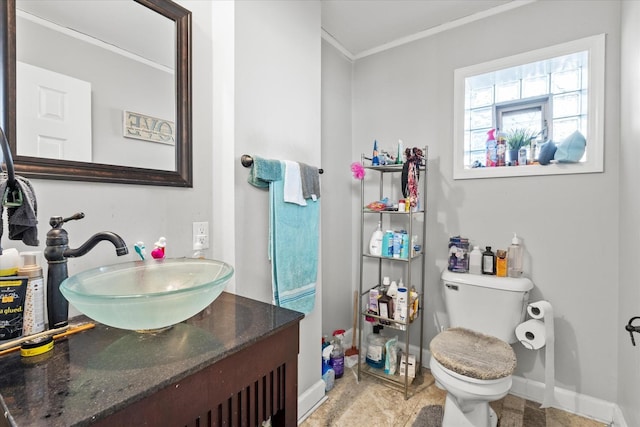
(328, 374)
(337, 354)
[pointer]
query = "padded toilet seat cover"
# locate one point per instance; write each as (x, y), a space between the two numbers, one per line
(473, 354)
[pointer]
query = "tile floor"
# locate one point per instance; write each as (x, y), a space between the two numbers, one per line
(372, 403)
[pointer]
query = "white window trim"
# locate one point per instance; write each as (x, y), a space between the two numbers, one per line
(595, 145)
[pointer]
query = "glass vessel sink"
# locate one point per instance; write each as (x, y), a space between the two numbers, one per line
(147, 295)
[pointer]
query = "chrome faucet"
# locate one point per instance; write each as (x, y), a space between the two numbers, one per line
(57, 252)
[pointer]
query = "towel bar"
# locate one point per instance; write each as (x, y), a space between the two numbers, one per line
(247, 161)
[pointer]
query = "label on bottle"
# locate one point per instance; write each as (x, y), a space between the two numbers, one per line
(337, 363)
(374, 352)
(487, 264)
(34, 307)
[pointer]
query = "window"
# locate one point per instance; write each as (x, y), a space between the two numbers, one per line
(551, 92)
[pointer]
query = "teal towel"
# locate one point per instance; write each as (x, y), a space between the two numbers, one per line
(293, 249)
(264, 171)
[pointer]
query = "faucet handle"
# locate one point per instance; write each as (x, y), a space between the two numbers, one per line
(57, 221)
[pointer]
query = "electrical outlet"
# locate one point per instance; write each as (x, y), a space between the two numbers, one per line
(201, 235)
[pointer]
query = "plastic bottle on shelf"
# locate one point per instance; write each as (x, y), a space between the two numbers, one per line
(501, 149)
(375, 243)
(387, 244)
(402, 306)
(337, 354)
(393, 290)
(375, 348)
(501, 263)
(514, 257)
(475, 261)
(375, 160)
(404, 247)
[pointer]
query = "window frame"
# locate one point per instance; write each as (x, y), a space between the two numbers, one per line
(595, 46)
(540, 102)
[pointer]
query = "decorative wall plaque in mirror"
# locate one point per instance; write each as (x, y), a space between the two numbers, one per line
(536, 113)
(98, 90)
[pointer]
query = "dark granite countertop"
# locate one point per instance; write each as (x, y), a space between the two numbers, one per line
(92, 374)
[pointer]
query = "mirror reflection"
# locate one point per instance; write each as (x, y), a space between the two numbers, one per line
(92, 86)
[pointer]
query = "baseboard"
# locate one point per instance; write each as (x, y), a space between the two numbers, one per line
(310, 399)
(618, 418)
(566, 400)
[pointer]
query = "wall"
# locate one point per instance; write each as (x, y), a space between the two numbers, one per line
(569, 224)
(277, 115)
(629, 175)
(337, 308)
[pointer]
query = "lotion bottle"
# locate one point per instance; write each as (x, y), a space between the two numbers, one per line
(375, 243)
(33, 321)
(514, 257)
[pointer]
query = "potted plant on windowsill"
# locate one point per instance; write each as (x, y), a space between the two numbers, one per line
(518, 138)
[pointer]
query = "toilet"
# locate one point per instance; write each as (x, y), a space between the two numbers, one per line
(473, 360)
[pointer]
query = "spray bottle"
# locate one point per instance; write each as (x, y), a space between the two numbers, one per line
(492, 155)
(328, 374)
(337, 354)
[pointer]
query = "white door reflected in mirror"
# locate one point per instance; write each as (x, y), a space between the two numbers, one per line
(54, 115)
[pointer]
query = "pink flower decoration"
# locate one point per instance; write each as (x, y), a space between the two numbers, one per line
(358, 170)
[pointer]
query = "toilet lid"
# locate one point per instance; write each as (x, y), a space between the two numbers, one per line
(473, 354)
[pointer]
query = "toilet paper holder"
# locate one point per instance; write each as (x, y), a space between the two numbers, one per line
(631, 329)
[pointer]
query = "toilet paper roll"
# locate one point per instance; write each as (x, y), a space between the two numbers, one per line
(532, 334)
(539, 309)
(542, 310)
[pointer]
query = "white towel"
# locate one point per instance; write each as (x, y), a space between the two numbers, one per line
(293, 183)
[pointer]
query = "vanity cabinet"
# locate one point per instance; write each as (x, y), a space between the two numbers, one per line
(411, 268)
(253, 385)
(235, 364)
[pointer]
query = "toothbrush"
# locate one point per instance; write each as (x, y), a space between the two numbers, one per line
(140, 249)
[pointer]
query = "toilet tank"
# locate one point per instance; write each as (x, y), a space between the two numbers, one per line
(488, 304)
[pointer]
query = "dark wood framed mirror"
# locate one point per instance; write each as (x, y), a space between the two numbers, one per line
(178, 173)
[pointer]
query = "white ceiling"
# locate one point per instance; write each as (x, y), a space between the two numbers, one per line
(361, 27)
